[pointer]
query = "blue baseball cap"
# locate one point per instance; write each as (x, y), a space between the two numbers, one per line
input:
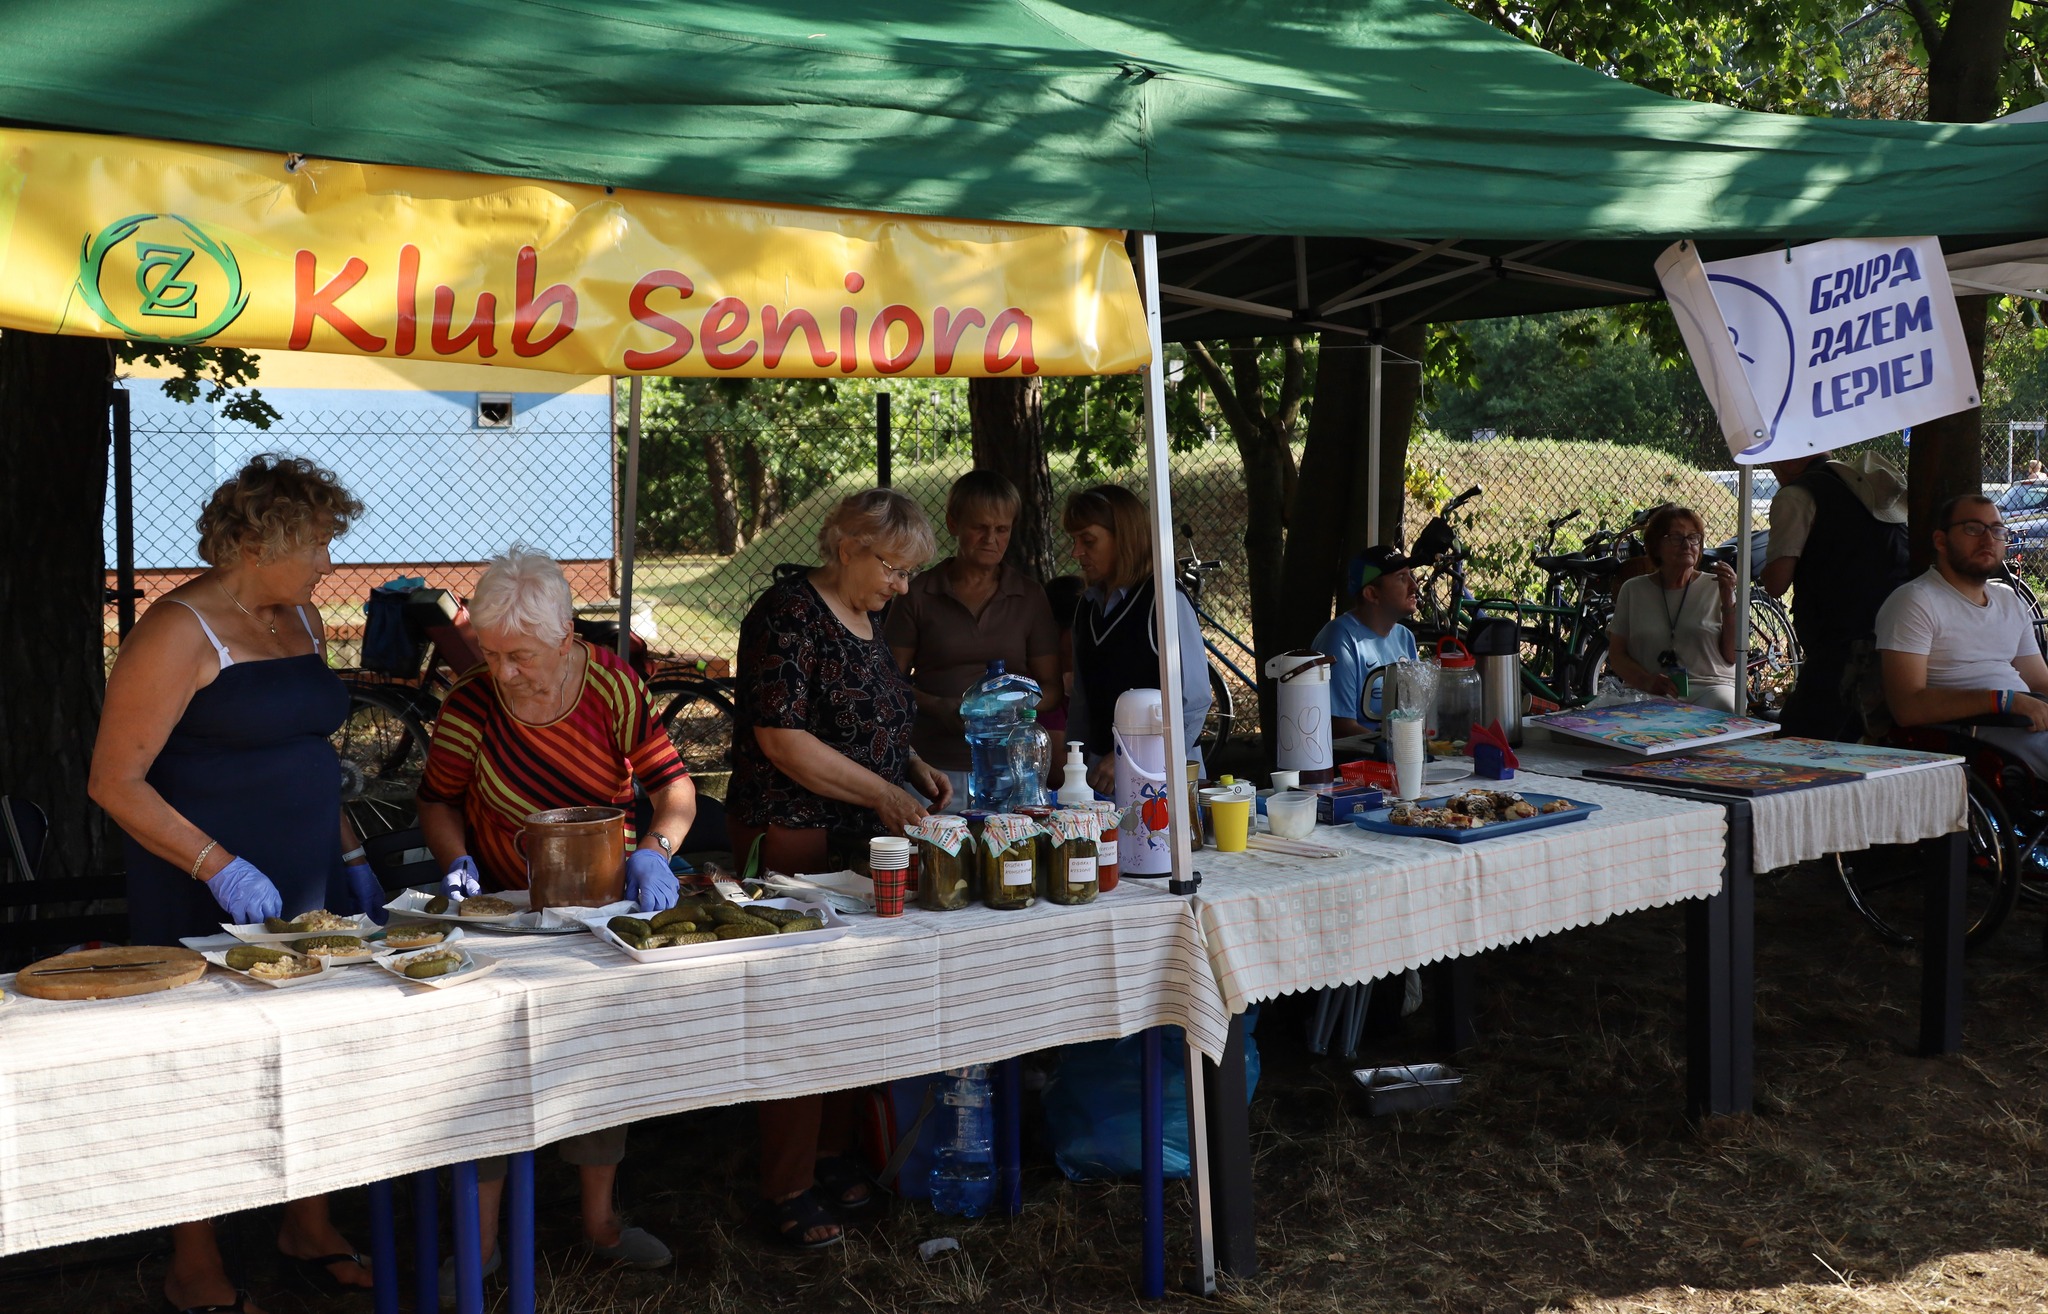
(1374, 562)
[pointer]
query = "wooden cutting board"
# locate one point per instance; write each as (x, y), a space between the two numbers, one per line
(170, 969)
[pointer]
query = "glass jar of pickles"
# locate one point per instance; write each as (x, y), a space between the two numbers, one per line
(975, 822)
(1071, 873)
(1108, 818)
(1009, 861)
(945, 851)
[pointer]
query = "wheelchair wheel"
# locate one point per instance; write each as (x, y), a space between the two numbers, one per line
(1888, 894)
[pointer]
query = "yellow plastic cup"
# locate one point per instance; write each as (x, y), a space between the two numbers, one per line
(1230, 817)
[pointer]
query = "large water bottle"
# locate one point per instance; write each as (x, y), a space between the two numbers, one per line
(989, 709)
(964, 1172)
(1030, 752)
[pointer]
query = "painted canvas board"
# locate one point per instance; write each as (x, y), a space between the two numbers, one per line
(1654, 725)
(1724, 775)
(1825, 755)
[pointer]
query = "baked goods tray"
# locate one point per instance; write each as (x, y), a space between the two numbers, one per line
(1376, 820)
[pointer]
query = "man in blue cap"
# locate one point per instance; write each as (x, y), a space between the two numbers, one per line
(1370, 635)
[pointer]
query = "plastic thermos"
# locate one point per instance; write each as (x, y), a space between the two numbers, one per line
(964, 1171)
(1145, 847)
(989, 709)
(1303, 691)
(1458, 702)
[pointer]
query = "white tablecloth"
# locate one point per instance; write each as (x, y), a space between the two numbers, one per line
(119, 1115)
(1802, 824)
(1279, 924)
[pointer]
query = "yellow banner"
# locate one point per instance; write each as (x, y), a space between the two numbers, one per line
(121, 238)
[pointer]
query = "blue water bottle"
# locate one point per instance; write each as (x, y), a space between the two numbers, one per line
(989, 709)
(964, 1171)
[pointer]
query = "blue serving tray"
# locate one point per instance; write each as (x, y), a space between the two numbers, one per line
(1377, 819)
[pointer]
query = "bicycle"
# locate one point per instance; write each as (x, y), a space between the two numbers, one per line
(694, 700)
(1190, 573)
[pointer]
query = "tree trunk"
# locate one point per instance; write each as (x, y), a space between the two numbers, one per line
(1327, 522)
(1966, 59)
(725, 509)
(764, 491)
(54, 394)
(1008, 421)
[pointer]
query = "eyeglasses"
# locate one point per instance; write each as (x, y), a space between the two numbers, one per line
(1978, 529)
(1684, 540)
(900, 574)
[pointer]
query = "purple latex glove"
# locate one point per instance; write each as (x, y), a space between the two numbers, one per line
(368, 892)
(245, 894)
(462, 879)
(649, 882)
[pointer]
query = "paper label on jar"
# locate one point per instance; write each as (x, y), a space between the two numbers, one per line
(1081, 871)
(1109, 856)
(1018, 871)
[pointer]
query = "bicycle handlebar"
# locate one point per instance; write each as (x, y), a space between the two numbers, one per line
(1554, 525)
(1460, 500)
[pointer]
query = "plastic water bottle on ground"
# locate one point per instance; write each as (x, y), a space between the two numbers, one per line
(1030, 752)
(964, 1173)
(989, 709)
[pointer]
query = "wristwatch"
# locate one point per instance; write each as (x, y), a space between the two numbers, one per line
(668, 850)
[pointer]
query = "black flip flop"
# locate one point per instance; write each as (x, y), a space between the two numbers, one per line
(838, 1175)
(317, 1271)
(241, 1299)
(789, 1219)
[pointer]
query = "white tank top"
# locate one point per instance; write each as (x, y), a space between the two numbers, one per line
(220, 649)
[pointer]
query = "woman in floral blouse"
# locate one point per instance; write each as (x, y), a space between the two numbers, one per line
(821, 755)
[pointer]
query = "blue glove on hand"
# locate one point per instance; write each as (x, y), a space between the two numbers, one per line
(649, 882)
(245, 894)
(368, 892)
(462, 880)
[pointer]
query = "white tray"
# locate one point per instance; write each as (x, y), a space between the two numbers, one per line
(253, 933)
(552, 921)
(834, 927)
(473, 966)
(219, 958)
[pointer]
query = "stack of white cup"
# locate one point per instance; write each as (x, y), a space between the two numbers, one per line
(1408, 756)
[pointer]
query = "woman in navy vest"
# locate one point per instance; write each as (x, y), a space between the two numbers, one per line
(1116, 638)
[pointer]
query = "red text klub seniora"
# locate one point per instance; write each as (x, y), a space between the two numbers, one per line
(724, 331)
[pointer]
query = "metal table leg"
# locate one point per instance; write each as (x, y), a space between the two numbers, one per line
(1741, 892)
(519, 1237)
(383, 1248)
(469, 1255)
(1941, 949)
(426, 1241)
(1009, 1093)
(1152, 1124)
(1230, 1156)
(1198, 1175)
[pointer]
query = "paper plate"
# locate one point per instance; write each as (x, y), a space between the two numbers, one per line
(473, 966)
(219, 958)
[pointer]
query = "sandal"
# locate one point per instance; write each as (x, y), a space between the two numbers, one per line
(241, 1299)
(839, 1177)
(791, 1219)
(319, 1271)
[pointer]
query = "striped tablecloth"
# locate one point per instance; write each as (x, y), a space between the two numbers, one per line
(1801, 824)
(1277, 924)
(126, 1114)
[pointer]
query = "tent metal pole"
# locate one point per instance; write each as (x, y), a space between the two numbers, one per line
(1375, 355)
(630, 514)
(1165, 602)
(1742, 583)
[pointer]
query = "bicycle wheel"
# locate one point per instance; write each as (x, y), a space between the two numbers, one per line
(696, 712)
(1773, 656)
(1886, 889)
(382, 748)
(1221, 717)
(1590, 666)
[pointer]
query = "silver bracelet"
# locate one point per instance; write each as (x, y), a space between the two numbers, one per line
(353, 854)
(197, 862)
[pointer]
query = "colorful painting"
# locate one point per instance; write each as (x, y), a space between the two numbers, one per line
(1654, 725)
(1724, 775)
(1825, 755)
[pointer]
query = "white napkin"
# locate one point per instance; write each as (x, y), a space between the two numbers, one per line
(845, 891)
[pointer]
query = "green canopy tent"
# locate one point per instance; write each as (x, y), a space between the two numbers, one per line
(1338, 167)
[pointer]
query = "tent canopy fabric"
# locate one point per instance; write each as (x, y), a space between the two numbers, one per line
(1345, 123)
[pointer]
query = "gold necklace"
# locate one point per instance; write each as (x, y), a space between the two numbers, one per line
(244, 610)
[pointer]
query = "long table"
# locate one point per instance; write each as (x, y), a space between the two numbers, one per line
(1275, 925)
(121, 1115)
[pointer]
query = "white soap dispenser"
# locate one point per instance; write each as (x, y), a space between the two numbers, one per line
(1074, 789)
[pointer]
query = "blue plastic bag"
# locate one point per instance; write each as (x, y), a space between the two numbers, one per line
(1092, 1112)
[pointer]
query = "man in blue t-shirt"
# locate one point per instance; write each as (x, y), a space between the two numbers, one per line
(1370, 635)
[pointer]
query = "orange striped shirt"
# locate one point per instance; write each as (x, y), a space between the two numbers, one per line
(499, 769)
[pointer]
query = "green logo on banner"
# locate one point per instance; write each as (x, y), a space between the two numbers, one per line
(180, 275)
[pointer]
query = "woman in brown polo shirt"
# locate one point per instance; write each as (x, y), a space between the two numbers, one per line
(964, 613)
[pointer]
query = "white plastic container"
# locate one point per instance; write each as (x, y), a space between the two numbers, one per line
(1142, 783)
(1291, 813)
(1303, 689)
(1074, 791)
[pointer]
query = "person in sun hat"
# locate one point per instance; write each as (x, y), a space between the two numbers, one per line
(1381, 585)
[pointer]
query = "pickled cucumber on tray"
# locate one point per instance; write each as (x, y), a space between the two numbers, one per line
(743, 930)
(245, 956)
(635, 931)
(725, 915)
(668, 917)
(436, 905)
(438, 963)
(674, 938)
(803, 924)
(775, 916)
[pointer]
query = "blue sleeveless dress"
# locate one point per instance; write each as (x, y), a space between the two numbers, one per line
(250, 764)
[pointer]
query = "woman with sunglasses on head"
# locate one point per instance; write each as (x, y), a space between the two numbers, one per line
(821, 763)
(1672, 632)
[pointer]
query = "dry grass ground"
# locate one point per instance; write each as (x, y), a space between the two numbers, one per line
(1868, 1180)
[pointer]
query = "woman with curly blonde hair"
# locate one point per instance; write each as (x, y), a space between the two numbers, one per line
(213, 757)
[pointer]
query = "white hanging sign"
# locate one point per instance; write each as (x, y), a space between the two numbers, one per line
(1816, 347)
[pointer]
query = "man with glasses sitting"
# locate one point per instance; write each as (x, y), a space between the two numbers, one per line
(1956, 643)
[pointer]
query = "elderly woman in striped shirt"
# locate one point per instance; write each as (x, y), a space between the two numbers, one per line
(550, 722)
